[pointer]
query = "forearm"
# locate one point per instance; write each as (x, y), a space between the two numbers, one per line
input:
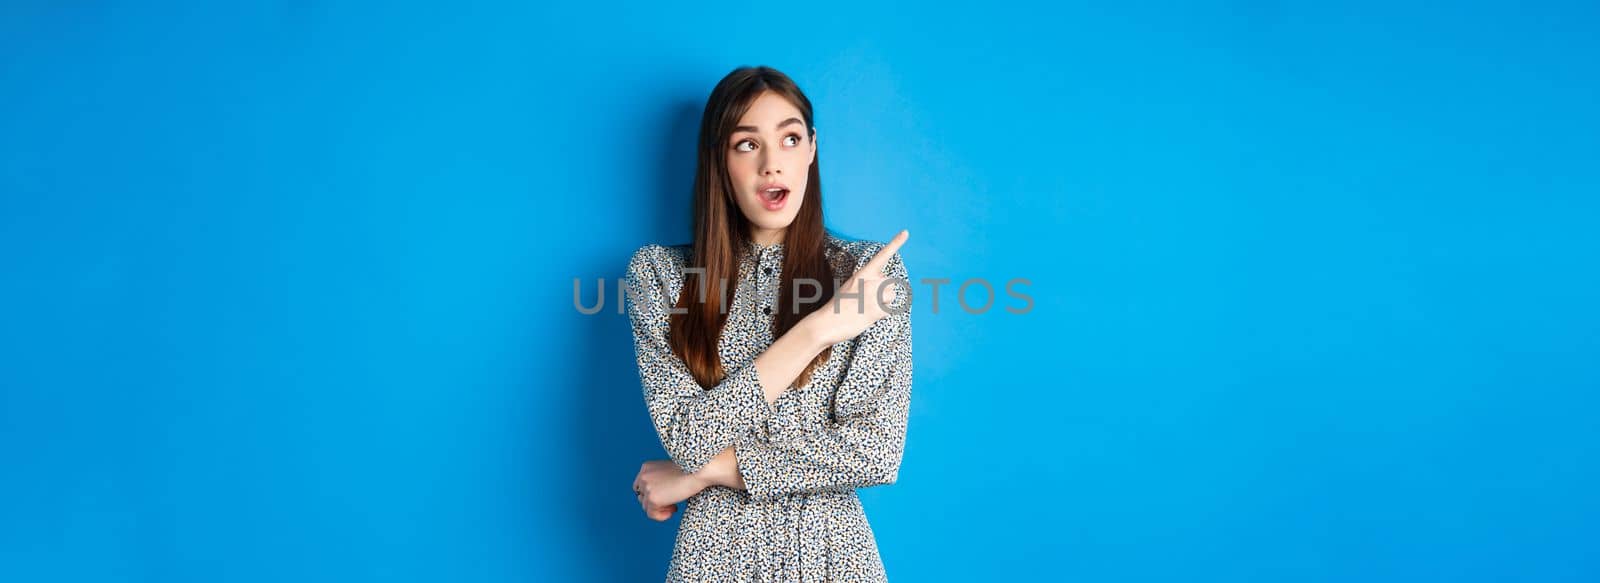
(697, 422)
(826, 462)
(786, 358)
(777, 367)
(829, 459)
(863, 441)
(722, 470)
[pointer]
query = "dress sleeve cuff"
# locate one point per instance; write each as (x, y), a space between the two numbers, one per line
(760, 466)
(741, 398)
(736, 405)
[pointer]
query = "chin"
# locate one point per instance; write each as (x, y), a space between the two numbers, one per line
(774, 225)
(763, 218)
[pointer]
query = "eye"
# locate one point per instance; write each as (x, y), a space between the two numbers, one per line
(740, 146)
(796, 139)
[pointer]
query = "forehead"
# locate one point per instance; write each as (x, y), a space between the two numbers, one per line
(768, 110)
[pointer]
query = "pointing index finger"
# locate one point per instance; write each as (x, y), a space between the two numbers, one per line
(876, 264)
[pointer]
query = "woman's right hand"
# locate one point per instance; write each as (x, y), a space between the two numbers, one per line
(844, 317)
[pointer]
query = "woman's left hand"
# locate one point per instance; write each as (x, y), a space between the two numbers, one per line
(661, 485)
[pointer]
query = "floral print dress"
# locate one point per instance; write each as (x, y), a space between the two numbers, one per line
(803, 457)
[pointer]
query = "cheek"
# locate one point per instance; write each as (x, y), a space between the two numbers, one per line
(800, 161)
(740, 169)
(796, 156)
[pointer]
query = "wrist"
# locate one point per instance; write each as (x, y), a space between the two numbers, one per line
(810, 329)
(701, 479)
(715, 473)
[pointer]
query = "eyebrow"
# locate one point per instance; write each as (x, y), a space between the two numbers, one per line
(792, 120)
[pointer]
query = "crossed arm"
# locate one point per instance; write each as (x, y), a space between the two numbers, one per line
(711, 433)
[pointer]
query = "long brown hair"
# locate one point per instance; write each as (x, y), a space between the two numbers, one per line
(721, 232)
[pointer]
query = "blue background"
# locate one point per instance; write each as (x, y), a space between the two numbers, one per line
(287, 286)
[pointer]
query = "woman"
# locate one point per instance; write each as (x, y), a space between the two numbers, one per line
(777, 402)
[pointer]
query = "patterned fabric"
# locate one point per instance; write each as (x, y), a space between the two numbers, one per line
(801, 457)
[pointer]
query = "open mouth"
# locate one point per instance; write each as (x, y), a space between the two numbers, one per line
(773, 198)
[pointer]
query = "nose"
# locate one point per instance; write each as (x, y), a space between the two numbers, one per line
(769, 167)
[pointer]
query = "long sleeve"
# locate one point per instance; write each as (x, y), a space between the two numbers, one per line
(695, 423)
(863, 443)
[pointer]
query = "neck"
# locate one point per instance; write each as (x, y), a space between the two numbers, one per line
(767, 236)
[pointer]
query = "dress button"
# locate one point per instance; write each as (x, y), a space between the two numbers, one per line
(766, 310)
(767, 270)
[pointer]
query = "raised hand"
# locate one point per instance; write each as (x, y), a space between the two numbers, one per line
(854, 307)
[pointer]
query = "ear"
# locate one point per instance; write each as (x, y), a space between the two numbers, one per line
(813, 146)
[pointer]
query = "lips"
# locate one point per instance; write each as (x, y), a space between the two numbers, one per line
(774, 190)
(773, 195)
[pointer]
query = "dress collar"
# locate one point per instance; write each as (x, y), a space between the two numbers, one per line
(759, 250)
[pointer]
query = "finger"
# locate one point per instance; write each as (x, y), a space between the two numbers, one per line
(658, 513)
(875, 265)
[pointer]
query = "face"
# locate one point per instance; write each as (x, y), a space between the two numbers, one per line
(769, 159)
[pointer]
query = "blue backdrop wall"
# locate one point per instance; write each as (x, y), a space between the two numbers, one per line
(287, 286)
